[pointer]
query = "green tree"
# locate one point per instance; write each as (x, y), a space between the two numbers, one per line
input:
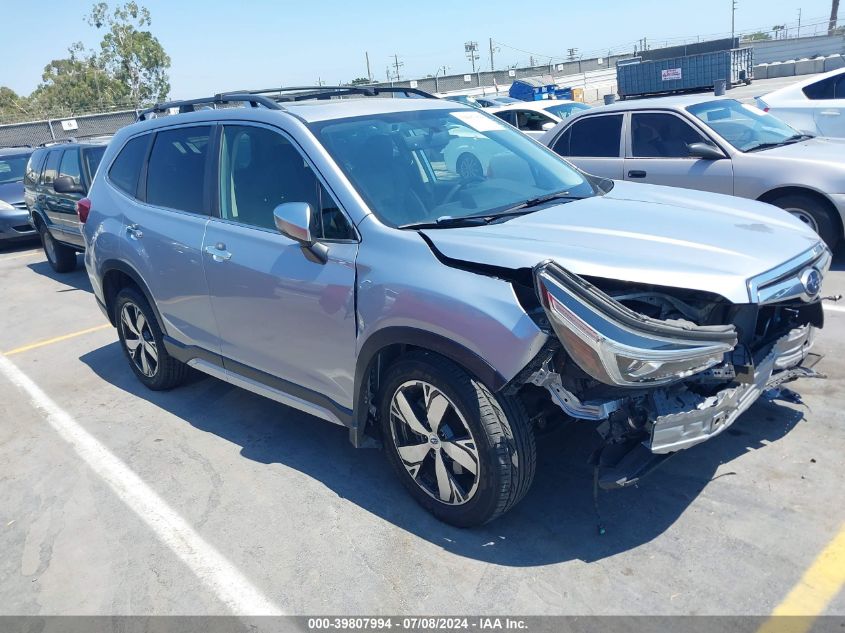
(757, 36)
(131, 54)
(360, 81)
(12, 105)
(77, 83)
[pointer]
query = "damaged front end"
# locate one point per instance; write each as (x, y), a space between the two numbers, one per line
(660, 369)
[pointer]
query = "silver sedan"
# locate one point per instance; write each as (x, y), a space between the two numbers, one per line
(711, 144)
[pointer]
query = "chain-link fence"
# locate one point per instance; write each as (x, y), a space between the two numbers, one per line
(37, 132)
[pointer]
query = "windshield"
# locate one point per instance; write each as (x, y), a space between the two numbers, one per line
(566, 109)
(744, 126)
(421, 166)
(12, 168)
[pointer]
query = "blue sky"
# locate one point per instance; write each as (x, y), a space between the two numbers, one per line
(223, 44)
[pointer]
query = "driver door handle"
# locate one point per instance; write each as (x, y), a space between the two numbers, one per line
(636, 173)
(829, 112)
(218, 252)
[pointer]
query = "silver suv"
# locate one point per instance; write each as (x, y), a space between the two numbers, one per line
(315, 247)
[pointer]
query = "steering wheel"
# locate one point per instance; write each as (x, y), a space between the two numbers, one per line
(460, 187)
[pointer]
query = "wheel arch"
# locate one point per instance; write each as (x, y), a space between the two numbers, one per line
(796, 190)
(117, 275)
(386, 345)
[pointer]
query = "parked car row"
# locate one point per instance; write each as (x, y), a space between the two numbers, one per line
(427, 276)
(711, 144)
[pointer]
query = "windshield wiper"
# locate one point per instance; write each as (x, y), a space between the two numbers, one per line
(486, 218)
(448, 221)
(787, 141)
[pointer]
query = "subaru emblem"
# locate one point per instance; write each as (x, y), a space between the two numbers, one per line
(811, 279)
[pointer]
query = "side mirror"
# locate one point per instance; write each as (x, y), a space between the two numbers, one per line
(293, 219)
(547, 126)
(705, 151)
(65, 184)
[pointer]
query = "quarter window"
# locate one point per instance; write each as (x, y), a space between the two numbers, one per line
(261, 169)
(33, 168)
(70, 166)
(594, 136)
(176, 171)
(655, 135)
(126, 168)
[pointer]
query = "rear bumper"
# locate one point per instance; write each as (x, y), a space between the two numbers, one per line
(707, 417)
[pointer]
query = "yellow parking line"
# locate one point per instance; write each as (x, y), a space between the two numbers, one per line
(819, 585)
(18, 256)
(57, 339)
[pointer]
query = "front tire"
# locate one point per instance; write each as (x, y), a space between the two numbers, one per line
(465, 454)
(143, 342)
(61, 258)
(814, 213)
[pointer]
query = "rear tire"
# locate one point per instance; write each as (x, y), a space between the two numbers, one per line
(815, 213)
(468, 166)
(61, 258)
(461, 427)
(143, 342)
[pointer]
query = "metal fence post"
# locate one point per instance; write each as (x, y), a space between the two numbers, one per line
(52, 133)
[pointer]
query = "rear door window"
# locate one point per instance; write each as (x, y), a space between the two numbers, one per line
(176, 170)
(824, 89)
(51, 169)
(594, 136)
(126, 168)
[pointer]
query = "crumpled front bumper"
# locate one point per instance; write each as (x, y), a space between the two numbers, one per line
(675, 430)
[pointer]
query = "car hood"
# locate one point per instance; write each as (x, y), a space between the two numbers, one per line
(11, 192)
(819, 149)
(644, 234)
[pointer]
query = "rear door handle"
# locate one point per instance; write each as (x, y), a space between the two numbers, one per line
(218, 252)
(829, 112)
(636, 173)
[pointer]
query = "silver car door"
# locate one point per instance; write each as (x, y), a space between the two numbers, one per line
(286, 318)
(594, 144)
(658, 153)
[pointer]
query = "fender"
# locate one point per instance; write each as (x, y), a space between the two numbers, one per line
(119, 265)
(422, 339)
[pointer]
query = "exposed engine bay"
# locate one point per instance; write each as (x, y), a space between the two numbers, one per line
(659, 369)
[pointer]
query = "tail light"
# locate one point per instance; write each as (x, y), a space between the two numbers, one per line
(83, 208)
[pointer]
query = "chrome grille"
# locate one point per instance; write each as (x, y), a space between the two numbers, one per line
(786, 282)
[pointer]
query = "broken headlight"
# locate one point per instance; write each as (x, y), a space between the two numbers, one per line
(618, 346)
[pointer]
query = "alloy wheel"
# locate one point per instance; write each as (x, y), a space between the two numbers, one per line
(138, 339)
(49, 246)
(434, 442)
(805, 217)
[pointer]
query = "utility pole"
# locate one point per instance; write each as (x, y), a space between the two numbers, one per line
(369, 74)
(572, 52)
(834, 16)
(492, 50)
(397, 64)
(733, 20)
(799, 22)
(471, 51)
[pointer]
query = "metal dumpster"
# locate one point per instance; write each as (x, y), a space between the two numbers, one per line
(637, 77)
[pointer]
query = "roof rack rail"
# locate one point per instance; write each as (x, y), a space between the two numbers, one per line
(187, 105)
(57, 141)
(327, 92)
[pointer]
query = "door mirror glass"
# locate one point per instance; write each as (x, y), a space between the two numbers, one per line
(705, 151)
(293, 219)
(547, 126)
(65, 184)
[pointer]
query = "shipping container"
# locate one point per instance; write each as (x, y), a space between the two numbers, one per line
(636, 77)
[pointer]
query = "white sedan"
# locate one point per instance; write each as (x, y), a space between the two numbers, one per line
(815, 105)
(535, 118)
